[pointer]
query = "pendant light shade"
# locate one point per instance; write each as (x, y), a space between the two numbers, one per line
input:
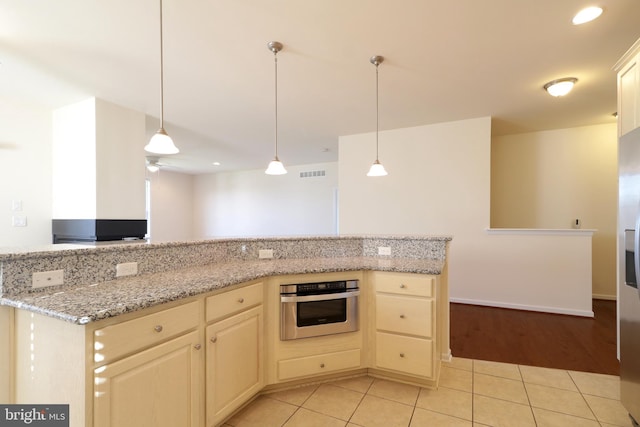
(376, 168)
(275, 166)
(161, 142)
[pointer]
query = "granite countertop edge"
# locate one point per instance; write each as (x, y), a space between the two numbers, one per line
(94, 302)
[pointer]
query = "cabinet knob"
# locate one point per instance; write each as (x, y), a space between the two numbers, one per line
(241, 300)
(322, 365)
(158, 328)
(401, 354)
(402, 286)
(402, 316)
(214, 339)
(197, 346)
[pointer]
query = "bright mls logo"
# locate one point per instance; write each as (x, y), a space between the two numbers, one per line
(34, 415)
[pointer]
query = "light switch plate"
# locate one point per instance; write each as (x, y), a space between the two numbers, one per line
(47, 278)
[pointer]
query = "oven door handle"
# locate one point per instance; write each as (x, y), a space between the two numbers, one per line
(323, 297)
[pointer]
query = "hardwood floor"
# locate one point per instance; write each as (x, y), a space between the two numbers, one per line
(537, 339)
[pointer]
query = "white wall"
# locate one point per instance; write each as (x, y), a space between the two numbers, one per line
(98, 161)
(439, 183)
(25, 173)
(120, 162)
(171, 206)
(548, 179)
(250, 203)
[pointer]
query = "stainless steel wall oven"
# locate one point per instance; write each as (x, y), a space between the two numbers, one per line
(315, 309)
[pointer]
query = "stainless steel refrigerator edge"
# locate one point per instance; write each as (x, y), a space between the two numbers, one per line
(629, 270)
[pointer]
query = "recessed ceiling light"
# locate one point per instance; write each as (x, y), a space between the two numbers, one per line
(216, 163)
(560, 87)
(587, 15)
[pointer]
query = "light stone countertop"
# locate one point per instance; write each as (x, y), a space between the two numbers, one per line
(102, 300)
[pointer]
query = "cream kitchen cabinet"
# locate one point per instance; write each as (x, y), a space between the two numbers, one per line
(149, 370)
(139, 369)
(312, 358)
(405, 325)
(158, 387)
(235, 350)
(628, 69)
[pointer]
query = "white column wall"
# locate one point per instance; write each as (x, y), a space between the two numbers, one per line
(171, 206)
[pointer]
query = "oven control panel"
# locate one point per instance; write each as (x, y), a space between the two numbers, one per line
(319, 287)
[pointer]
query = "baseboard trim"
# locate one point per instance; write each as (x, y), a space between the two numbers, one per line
(604, 297)
(446, 357)
(555, 310)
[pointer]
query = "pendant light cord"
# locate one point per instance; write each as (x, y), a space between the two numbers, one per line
(377, 113)
(275, 61)
(161, 73)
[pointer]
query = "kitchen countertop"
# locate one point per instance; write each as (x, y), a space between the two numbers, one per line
(92, 302)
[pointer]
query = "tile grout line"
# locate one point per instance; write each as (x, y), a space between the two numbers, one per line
(526, 392)
(473, 391)
(582, 396)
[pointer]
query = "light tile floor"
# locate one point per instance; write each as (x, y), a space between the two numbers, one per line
(471, 393)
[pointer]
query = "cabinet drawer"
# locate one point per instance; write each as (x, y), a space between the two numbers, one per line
(314, 365)
(404, 283)
(405, 315)
(124, 338)
(231, 302)
(405, 354)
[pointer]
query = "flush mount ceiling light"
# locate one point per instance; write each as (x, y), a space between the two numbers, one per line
(275, 166)
(587, 15)
(560, 87)
(376, 168)
(161, 142)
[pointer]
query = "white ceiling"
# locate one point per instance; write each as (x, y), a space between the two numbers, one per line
(444, 60)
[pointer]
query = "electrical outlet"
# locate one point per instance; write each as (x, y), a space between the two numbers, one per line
(126, 269)
(384, 250)
(19, 221)
(47, 278)
(265, 253)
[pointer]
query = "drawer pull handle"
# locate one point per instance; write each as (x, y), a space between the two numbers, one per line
(197, 346)
(402, 286)
(241, 300)
(158, 328)
(401, 354)
(322, 365)
(402, 316)
(214, 339)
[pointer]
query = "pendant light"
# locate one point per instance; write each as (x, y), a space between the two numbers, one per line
(376, 168)
(161, 142)
(275, 166)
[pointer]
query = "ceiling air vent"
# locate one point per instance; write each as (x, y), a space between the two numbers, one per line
(312, 174)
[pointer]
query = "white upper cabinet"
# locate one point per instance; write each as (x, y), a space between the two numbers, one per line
(629, 90)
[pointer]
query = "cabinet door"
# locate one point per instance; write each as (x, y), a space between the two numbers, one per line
(629, 97)
(158, 387)
(234, 363)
